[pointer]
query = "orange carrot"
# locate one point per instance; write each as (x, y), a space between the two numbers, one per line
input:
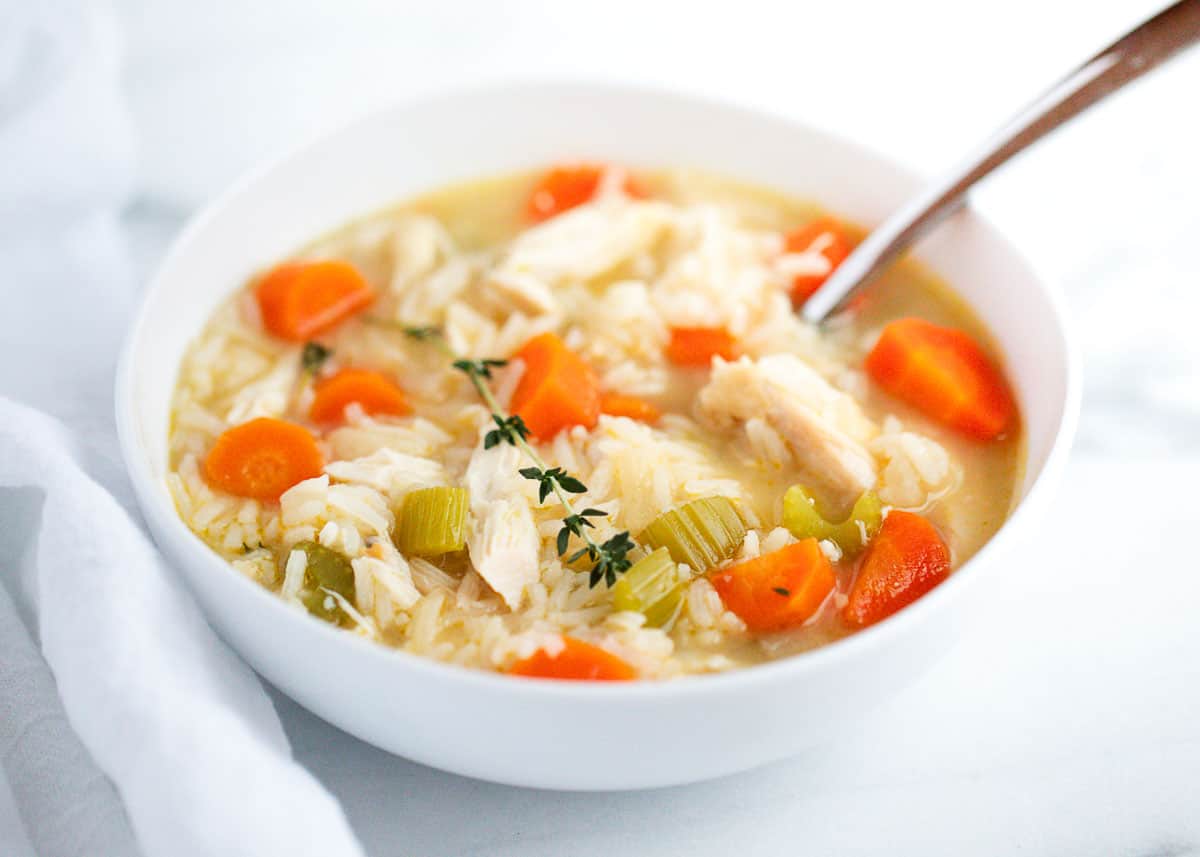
(301, 299)
(827, 237)
(697, 346)
(943, 373)
(557, 390)
(565, 187)
(777, 590)
(374, 392)
(906, 559)
(578, 661)
(262, 459)
(620, 405)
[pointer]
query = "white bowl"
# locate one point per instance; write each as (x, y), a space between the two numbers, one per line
(568, 735)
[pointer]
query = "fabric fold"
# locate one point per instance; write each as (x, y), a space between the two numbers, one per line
(179, 725)
(176, 720)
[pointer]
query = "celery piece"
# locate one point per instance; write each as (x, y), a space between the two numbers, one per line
(433, 522)
(325, 569)
(650, 587)
(801, 517)
(701, 533)
(865, 520)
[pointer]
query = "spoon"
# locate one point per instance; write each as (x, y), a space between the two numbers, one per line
(1128, 58)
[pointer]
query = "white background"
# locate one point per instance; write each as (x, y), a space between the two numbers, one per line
(1068, 721)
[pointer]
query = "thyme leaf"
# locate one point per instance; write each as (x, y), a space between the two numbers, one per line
(609, 558)
(313, 357)
(478, 368)
(422, 334)
(548, 478)
(508, 430)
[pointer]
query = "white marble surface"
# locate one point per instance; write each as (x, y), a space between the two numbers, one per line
(1066, 722)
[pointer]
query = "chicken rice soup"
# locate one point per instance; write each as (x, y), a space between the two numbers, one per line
(568, 425)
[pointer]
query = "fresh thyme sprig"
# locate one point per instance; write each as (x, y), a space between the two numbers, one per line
(507, 430)
(547, 478)
(420, 333)
(313, 357)
(609, 558)
(482, 368)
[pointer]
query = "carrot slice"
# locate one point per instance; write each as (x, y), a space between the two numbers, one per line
(943, 373)
(827, 237)
(374, 392)
(298, 300)
(262, 459)
(697, 346)
(906, 559)
(565, 187)
(621, 405)
(778, 590)
(578, 661)
(557, 390)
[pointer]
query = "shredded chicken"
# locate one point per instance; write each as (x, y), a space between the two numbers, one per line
(586, 241)
(522, 291)
(363, 436)
(391, 473)
(717, 273)
(425, 298)
(503, 541)
(266, 396)
(419, 243)
(824, 428)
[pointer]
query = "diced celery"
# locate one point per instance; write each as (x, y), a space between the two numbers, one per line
(433, 522)
(865, 520)
(325, 569)
(663, 612)
(701, 533)
(651, 587)
(801, 517)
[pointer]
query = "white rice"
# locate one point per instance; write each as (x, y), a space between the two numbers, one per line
(692, 265)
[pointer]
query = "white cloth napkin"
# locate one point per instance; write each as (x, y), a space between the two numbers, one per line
(171, 717)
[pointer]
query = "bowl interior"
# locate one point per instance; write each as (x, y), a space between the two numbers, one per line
(413, 148)
(408, 150)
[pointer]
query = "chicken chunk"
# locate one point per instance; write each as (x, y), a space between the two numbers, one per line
(523, 292)
(389, 472)
(585, 242)
(503, 540)
(419, 243)
(425, 299)
(823, 428)
(267, 395)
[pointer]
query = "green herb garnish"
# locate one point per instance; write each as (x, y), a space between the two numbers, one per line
(609, 558)
(313, 357)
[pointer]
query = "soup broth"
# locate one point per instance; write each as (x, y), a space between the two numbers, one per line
(611, 291)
